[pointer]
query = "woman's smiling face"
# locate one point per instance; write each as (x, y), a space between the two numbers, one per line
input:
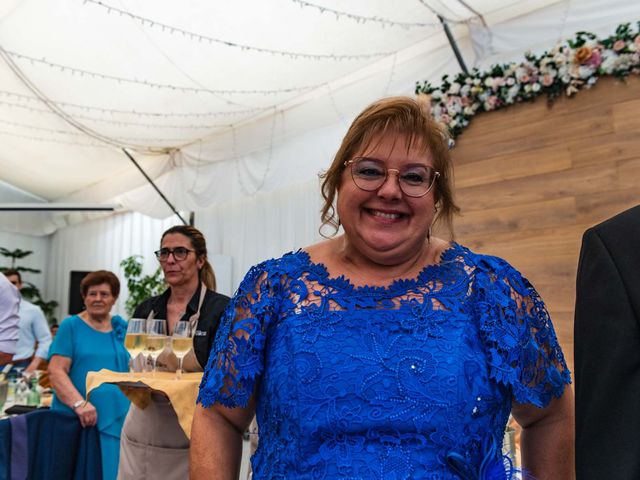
(386, 225)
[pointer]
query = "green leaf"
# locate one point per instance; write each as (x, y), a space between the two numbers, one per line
(140, 286)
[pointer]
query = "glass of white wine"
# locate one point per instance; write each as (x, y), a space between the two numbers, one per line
(181, 343)
(134, 341)
(156, 339)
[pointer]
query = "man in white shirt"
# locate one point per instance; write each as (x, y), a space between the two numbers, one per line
(9, 319)
(34, 330)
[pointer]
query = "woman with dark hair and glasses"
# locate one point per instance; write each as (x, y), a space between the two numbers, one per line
(385, 352)
(153, 443)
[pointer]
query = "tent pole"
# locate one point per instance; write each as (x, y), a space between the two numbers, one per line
(454, 45)
(154, 186)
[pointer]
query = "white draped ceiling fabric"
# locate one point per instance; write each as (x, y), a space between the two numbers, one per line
(219, 101)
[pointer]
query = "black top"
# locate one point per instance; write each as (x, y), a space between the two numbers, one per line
(212, 308)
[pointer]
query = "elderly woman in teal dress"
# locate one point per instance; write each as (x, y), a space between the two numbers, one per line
(90, 341)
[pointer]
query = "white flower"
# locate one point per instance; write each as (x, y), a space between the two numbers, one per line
(513, 91)
(436, 94)
(591, 43)
(476, 81)
(464, 91)
(535, 87)
(609, 61)
(511, 81)
(453, 123)
(585, 71)
(521, 74)
(488, 82)
(468, 111)
(454, 88)
(560, 59)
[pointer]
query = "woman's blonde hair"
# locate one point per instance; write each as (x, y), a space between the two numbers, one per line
(395, 116)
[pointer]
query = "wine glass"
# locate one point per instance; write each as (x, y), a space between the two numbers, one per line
(181, 343)
(134, 341)
(156, 339)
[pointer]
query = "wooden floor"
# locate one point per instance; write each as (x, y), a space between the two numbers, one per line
(531, 178)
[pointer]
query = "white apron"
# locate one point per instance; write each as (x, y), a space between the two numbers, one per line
(153, 445)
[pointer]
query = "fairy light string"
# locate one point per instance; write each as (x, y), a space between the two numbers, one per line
(137, 113)
(104, 76)
(385, 22)
(227, 43)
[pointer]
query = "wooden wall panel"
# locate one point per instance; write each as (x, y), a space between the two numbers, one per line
(531, 179)
(602, 149)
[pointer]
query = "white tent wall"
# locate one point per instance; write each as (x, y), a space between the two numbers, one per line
(264, 226)
(37, 260)
(22, 223)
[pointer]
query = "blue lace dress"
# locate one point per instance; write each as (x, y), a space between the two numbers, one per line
(410, 381)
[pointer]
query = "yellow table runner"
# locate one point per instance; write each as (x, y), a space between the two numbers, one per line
(138, 387)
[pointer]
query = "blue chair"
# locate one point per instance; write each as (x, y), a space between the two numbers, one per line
(48, 445)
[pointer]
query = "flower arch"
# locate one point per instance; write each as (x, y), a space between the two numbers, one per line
(566, 69)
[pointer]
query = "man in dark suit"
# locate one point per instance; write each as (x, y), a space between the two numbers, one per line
(607, 350)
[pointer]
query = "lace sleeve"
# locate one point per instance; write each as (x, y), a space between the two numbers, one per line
(517, 333)
(237, 358)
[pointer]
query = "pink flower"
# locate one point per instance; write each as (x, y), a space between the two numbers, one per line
(491, 103)
(637, 41)
(547, 80)
(595, 59)
(465, 102)
(619, 45)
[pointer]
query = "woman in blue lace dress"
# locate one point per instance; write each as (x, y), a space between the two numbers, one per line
(384, 352)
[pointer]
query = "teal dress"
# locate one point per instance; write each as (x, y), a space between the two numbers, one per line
(89, 351)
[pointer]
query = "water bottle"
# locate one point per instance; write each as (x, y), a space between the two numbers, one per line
(21, 392)
(33, 397)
